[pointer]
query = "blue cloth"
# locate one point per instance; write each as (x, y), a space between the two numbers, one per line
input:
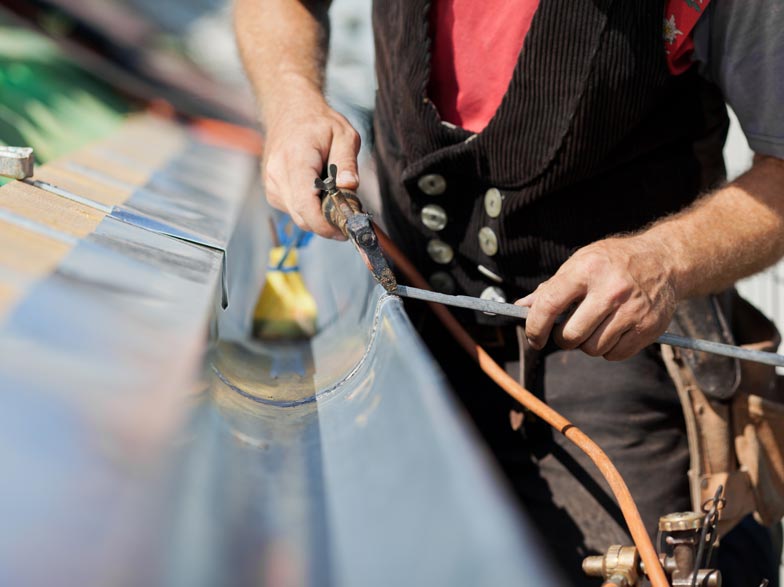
(287, 232)
(290, 236)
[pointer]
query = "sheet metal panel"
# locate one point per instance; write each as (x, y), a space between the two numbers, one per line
(97, 365)
(139, 449)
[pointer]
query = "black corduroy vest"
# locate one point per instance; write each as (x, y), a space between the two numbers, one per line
(593, 137)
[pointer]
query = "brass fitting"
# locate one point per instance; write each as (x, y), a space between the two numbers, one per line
(681, 532)
(619, 566)
(681, 522)
(338, 206)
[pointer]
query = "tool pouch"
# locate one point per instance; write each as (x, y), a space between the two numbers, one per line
(734, 410)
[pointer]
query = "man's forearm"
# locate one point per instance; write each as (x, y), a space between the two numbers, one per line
(729, 234)
(622, 291)
(283, 45)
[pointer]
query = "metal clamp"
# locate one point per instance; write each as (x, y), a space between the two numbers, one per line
(16, 162)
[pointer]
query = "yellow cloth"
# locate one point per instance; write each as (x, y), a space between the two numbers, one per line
(285, 308)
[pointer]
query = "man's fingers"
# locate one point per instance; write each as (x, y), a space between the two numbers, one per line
(308, 209)
(272, 174)
(605, 336)
(273, 197)
(343, 153)
(553, 297)
(582, 323)
(296, 218)
(298, 153)
(304, 203)
(628, 345)
(639, 335)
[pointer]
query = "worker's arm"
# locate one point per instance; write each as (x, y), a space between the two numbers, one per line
(283, 44)
(625, 289)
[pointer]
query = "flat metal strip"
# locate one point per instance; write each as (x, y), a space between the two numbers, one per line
(53, 189)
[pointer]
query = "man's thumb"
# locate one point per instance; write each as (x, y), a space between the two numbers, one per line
(344, 155)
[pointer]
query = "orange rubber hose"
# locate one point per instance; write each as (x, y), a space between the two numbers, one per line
(493, 370)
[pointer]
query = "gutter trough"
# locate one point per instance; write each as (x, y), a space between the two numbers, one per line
(145, 439)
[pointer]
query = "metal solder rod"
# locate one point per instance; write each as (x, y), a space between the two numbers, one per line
(504, 309)
(468, 302)
(719, 348)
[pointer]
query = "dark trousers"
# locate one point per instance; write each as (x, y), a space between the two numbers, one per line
(629, 408)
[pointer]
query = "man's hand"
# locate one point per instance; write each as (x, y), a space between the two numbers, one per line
(283, 45)
(623, 291)
(621, 294)
(301, 141)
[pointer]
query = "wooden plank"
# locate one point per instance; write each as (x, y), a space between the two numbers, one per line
(149, 139)
(76, 183)
(29, 253)
(49, 209)
(94, 160)
(127, 159)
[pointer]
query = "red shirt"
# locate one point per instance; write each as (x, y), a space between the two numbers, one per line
(476, 44)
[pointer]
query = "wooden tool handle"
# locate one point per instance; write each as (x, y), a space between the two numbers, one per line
(338, 207)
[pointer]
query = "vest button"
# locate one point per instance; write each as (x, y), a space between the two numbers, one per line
(493, 293)
(493, 201)
(432, 184)
(442, 282)
(440, 251)
(489, 274)
(488, 242)
(434, 217)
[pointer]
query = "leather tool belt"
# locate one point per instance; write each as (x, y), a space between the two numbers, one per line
(734, 410)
